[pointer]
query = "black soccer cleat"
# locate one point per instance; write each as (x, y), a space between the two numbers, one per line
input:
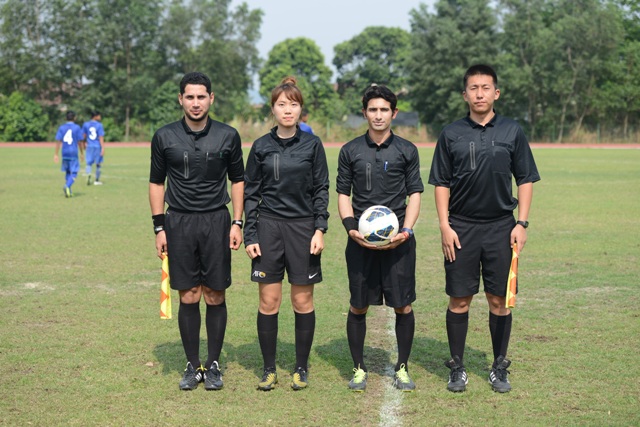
(458, 376)
(498, 377)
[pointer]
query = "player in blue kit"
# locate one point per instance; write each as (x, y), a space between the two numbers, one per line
(94, 144)
(69, 135)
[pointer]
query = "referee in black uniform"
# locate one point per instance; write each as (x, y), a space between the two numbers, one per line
(286, 199)
(473, 165)
(380, 168)
(195, 156)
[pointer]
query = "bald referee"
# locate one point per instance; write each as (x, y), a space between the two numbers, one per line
(196, 156)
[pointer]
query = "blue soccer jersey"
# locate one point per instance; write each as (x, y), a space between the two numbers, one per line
(70, 134)
(92, 131)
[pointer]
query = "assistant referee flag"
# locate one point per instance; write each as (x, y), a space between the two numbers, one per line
(165, 289)
(512, 282)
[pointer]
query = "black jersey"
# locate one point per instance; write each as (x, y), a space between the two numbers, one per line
(196, 164)
(382, 174)
(286, 179)
(477, 163)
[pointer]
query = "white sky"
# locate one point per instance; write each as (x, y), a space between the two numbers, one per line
(327, 22)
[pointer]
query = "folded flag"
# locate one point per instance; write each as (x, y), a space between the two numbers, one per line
(165, 289)
(512, 282)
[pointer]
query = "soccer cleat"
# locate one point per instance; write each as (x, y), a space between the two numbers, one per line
(89, 179)
(458, 376)
(402, 380)
(191, 378)
(213, 377)
(299, 380)
(498, 375)
(359, 380)
(96, 182)
(67, 192)
(269, 380)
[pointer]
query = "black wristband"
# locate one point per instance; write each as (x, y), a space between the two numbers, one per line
(158, 220)
(350, 223)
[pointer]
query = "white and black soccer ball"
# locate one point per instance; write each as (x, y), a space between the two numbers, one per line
(378, 224)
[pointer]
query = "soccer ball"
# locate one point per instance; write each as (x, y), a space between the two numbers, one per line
(378, 224)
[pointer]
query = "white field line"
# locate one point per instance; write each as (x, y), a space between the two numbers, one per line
(392, 397)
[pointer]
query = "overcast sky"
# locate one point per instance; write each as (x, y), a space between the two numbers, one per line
(327, 22)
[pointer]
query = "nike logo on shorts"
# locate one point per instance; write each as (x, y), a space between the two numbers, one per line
(311, 276)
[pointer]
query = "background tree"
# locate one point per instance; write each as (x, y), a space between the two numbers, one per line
(376, 55)
(22, 119)
(444, 45)
(302, 58)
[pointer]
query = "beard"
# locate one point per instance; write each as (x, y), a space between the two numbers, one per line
(203, 117)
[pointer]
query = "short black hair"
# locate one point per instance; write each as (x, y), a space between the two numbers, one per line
(95, 113)
(479, 69)
(71, 115)
(195, 78)
(379, 91)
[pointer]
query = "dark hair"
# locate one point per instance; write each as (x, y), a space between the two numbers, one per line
(290, 90)
(379, 91)
(94, 113)
(477, 70)
(71, 115)
(195, 78)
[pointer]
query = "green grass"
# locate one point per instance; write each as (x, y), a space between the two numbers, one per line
(81, 341)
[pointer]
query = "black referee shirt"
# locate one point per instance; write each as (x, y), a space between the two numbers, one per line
(196, 164)
(286, 179)
(379, 175)
(477, 164)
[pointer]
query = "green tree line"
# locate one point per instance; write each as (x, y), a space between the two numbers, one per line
(566, 67)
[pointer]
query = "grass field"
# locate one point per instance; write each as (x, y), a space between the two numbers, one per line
(81, 342)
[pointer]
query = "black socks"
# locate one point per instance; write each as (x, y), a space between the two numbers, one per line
(356, 331)
(457, 326)
(216, 321)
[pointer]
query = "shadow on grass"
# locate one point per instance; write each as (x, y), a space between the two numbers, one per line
(249, 356)
(336, 353)
(432, 354)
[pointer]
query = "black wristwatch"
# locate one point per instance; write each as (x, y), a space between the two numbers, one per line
(324, 230)
(237, 222)
(158, 228)
(524, 224)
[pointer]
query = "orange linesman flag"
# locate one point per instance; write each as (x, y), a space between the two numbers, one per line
(165, 290)
(512, 282)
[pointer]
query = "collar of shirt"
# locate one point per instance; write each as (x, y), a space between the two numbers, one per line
(197, 135)
(385, 143)
(284, 141)
(474, 124)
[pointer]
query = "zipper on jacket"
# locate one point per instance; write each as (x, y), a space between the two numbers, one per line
(186, 165)
(472, 153)
(368, 176)
(276, 167)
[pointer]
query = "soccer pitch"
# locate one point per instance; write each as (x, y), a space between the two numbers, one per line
(82, 343)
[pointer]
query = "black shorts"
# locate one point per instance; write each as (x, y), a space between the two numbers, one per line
(285, 245)
(485, 249)
(199, 253)
(374, 274)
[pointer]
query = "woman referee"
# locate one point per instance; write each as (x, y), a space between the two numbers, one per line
(286, 199)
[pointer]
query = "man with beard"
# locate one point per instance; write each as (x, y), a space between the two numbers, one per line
(195, 156)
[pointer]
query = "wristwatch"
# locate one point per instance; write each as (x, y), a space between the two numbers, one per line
(237, 222)
(324, 230)
(158, 229)
(524, 224)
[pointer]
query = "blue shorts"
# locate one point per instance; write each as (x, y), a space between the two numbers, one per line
(70, 166)
(93, 155)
